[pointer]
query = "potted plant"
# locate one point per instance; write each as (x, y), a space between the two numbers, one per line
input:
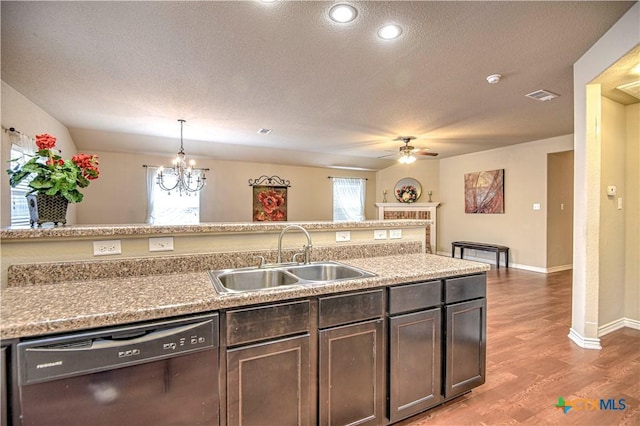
(55, 181)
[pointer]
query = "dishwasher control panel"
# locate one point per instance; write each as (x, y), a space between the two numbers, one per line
(53, 358)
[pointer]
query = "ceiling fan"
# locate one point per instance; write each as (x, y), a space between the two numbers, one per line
(407, 152)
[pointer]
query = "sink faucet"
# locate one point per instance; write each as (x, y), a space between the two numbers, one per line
(307, 248)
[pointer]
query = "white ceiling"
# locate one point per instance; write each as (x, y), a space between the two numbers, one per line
(120, 74)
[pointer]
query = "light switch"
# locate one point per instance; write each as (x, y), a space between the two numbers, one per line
(620, 203)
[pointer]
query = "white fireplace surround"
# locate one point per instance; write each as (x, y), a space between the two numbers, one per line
(414, 207)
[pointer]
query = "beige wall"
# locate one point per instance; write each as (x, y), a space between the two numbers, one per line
(25, 116)
(613, 45)
(520, 228)
(559, 210)
(612, 220)
(426, 171)
(119, 196)
(632, 214)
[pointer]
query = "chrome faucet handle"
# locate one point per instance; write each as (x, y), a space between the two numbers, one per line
(261, 259)
(295, 256)
(307, 254)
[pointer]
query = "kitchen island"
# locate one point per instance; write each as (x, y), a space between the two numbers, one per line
(404, 340)
(36, 310)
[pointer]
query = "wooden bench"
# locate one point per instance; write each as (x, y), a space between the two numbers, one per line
(481, 246)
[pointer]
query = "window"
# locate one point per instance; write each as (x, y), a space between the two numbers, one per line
(348, 198)
(19, 207)
(170, 208)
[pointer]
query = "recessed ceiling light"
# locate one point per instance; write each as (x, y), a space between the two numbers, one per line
(343, 13)
(389, 32)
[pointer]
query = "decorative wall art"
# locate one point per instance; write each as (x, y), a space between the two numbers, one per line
(269, 198)
(484, 192)
(408, 190)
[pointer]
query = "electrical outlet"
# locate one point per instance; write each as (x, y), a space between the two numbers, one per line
(380, 234)
(395, 233)
(536, 206)
(161, 244)
(106, 248)
(343, 236)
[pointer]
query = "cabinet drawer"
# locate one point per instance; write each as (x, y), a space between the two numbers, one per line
(253, 324)
(411, 297)
(343, 309)
(465, 288)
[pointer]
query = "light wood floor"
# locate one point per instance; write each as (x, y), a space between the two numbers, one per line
(531, 361)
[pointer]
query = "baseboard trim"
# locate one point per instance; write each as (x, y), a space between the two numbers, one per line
(559, 268)
(584, 342)
(617, 325)
(514, 265)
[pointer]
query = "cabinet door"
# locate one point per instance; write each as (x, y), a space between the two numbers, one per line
(4, 419)
(414, 363)
(352, 374)
(466, 346)
(268, 383)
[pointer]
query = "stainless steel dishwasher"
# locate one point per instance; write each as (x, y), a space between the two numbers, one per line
(160, 373)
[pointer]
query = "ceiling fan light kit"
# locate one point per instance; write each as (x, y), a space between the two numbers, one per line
(406, 158)
(494, 78)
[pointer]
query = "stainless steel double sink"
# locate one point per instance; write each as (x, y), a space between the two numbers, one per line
(253, 279)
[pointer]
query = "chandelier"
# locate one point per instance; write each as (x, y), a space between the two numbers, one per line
(182, 176)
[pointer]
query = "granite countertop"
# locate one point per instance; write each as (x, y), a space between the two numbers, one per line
(67, 306)
(79, 231)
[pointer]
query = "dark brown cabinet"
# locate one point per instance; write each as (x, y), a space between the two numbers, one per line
(414, 349)
(4, 413)
(414, 363)
(268, 365)
(466, 325)
(351, 359)
(268, 383)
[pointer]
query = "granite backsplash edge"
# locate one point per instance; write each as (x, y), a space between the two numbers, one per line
(21, 275)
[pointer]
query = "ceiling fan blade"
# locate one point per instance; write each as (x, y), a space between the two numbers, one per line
(428, 153)
(389, 155)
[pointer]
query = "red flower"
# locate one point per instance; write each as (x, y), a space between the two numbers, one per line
(88, 164)
(45, 141)
(85, 161)
(271, 201)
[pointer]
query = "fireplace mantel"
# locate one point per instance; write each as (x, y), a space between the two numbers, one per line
(424, 211)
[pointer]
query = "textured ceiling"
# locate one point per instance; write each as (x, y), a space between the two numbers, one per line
(120, 74)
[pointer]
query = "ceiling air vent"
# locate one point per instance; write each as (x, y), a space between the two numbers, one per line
(541, 95)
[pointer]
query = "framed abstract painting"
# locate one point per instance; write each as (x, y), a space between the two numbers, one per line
(484, 192)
